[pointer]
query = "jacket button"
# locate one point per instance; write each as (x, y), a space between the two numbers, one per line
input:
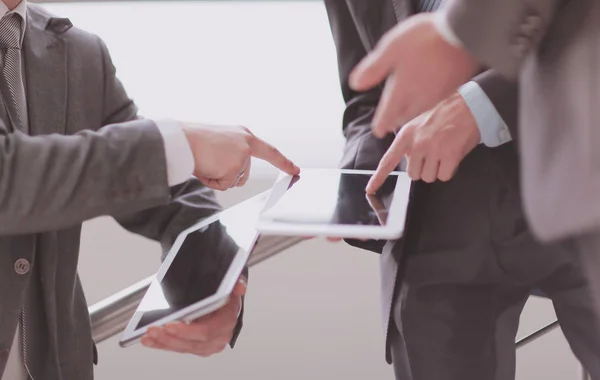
(22, 266)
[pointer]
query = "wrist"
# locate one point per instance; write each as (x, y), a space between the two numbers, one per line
(467, 120)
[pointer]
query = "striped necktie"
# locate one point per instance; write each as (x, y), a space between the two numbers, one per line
(427, 5)
(13, 90)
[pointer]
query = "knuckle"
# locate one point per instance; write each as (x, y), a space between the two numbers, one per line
(428, 178)
(444, 177)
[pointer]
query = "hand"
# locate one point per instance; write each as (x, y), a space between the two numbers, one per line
(422, 70)
(222, 154)
(435, 143)
(204, 337)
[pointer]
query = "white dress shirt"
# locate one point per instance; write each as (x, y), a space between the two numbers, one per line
(180, 166)
(493, 129)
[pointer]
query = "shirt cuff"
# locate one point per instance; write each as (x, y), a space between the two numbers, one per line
(178, 154)
(494, 131)
(445, 30)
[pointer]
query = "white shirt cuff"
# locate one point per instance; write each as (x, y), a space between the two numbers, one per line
(443, 28)
(178, 154)
(494, 131)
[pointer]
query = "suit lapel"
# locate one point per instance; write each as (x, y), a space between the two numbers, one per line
(402, 9)
(45, 75)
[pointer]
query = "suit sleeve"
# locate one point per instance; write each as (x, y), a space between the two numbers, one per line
(54, 181)
(504, 95)
(501, 34)
(362, 150)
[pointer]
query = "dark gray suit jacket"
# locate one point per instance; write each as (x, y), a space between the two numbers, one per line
(554, 45)
(356, 27)
(87, 154)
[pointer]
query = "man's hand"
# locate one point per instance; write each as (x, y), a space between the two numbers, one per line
(204, 337)
(222, 154)
(435, 143)
(421, 68)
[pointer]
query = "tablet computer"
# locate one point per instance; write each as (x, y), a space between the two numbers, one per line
(333, 203)
(200, 271)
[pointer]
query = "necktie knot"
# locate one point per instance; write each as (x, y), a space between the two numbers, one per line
(10, 31)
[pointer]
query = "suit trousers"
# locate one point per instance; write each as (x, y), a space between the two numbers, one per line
(587, 248)
(470, 272)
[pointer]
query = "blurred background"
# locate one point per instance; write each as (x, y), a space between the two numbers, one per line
(312, 311)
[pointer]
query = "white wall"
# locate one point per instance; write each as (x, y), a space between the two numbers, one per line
(312, 312)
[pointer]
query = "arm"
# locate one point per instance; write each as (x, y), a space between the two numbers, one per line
(500, 34)
(362, 149)
(54, 181)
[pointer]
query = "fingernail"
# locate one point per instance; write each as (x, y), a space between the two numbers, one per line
(153, 333)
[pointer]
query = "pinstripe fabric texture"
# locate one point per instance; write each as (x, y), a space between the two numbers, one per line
(13, 91)
(427, 5)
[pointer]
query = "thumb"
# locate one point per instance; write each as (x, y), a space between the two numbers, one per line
(240, 288)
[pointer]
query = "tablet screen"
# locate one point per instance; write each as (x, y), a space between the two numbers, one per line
(200, 265)
(332, 197)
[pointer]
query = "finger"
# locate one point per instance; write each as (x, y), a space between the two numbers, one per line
(390, 161)
(430, 169)
(387, 115)
(265, 151)
(240, 288)
(447, 170)
(375, 67)
(207, 328)
(182, 345)
(215, 184)
(214, 347)
(168, 341)
(334, 239)
(203, 330)
(415, 166)
(151, 343)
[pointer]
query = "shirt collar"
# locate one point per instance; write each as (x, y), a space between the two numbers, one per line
(21, 10)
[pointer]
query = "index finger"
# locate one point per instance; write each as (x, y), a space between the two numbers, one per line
(389, 162)
(375, 67)
(265, 151)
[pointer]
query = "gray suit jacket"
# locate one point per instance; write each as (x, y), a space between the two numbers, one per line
(87, 154)
(356, 26)
(554, 45)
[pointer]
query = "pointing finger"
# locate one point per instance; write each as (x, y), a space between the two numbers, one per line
(390, 161)
(265, 151)
(374, 68)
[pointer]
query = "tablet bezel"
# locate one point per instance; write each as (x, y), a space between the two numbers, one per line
(391, 231)
(132, 335)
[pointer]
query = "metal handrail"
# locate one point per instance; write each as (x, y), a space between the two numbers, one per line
(111, 315)
(537, 334)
